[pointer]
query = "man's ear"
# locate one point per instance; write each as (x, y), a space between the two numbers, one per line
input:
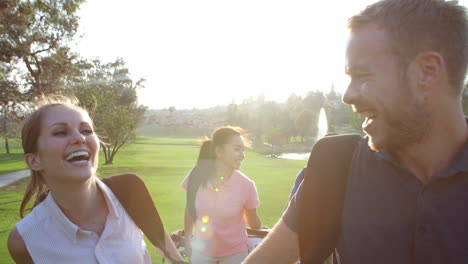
(33, 161)
(430, 66)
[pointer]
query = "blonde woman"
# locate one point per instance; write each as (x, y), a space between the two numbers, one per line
(76, 218)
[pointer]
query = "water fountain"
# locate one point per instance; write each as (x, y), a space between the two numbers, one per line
(322, 129)
(322, 126)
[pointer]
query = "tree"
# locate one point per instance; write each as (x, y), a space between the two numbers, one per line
(172, 109)
(294, 106)
(10, 98)
(314, 100)
(337, 112)
(256, 117)
(109, 94)
(306, 122)
(231, 117)
(6, 104)
(35, 33)
(275, 136)
(34, 56)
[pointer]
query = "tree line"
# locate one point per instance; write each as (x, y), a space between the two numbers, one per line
(294, 120)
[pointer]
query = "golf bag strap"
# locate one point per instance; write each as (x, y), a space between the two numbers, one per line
(135, 198)
(322, 196)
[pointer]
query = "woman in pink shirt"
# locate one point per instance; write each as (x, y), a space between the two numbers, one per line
(219, 198)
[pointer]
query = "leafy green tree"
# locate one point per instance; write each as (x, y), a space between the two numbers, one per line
(10, 101)
(257, 118)
(35, 34)
(294, 106)
(306, 122)
(314, 101)
(172, 109)
(231, 117)
(34, 56)
(337, 112)
(274, 135)
(109, 94)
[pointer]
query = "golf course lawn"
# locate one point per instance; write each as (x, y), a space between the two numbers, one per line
(163, 163)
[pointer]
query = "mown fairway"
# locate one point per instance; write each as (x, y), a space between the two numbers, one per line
(14, 161)
(163, 163)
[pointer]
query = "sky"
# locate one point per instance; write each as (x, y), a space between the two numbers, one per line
(203, 53)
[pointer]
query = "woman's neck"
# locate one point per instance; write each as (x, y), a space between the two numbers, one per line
(221, 174)
(83, 204)
(221, 170)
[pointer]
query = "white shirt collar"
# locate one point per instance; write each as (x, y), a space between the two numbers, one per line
(70, 229)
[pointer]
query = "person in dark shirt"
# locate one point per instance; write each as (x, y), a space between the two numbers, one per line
(300, 174)
(407, 190)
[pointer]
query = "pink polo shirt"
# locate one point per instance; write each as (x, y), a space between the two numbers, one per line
(220, 227)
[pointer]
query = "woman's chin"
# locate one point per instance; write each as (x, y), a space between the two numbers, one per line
(82, 174)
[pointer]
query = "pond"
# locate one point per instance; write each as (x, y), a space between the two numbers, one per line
(294, 156)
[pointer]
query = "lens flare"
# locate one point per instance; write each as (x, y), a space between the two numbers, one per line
(205, 219)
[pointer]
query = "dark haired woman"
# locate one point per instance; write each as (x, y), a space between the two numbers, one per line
(219, 198)
(76, 217)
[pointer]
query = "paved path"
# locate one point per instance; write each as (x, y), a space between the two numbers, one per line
(9, 178)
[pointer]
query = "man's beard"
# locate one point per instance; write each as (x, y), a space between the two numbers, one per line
(408, 123)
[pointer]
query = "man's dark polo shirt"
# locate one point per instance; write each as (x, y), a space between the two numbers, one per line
(390, 216)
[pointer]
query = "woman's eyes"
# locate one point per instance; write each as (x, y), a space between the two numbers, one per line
(60, 133)
(86, 131)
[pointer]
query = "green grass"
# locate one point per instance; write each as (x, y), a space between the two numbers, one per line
(13, 143)
(172, 131)
(163, 163)
(11, 162)
(167, 141)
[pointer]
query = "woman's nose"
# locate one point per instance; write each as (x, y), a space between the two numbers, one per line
(78, 137)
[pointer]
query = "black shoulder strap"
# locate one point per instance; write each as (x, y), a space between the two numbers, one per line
(135, 198)
(322, 196)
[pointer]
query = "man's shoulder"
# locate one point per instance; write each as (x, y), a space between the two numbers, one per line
(340, 147)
